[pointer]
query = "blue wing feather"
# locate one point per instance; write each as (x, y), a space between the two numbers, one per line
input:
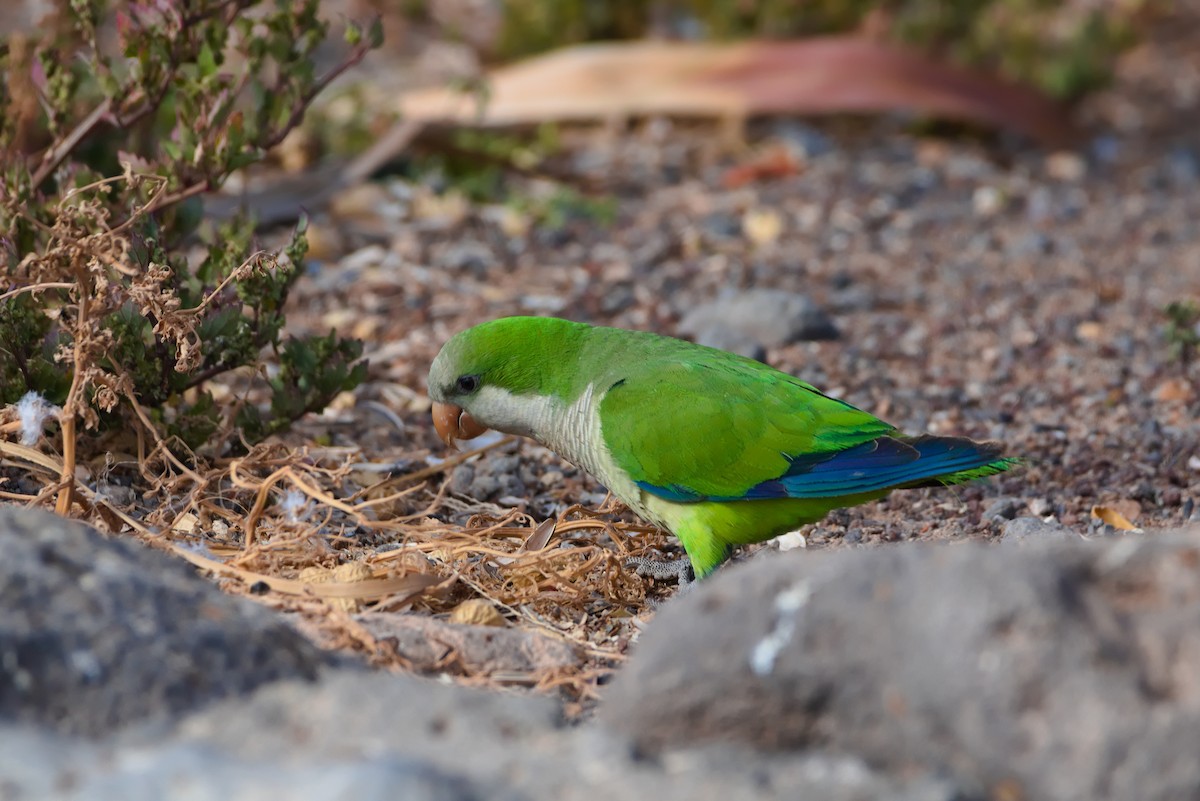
(880, 464)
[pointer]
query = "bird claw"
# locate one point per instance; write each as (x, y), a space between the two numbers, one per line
(678, 569)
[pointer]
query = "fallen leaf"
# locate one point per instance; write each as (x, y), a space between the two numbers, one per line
(820, 75)
(1113, 518)
(186, 523)
(775, 162)
(540, 536)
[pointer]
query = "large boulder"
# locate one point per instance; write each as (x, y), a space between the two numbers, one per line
(98, 632)
(1065, 670)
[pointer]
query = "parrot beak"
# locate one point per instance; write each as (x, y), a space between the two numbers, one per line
(452, 423)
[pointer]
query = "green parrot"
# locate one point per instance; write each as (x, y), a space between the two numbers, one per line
(718, 449)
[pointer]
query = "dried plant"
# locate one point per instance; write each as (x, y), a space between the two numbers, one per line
(121, 118)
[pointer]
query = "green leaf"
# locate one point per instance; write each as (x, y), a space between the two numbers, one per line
(375, 33)
(206, 61)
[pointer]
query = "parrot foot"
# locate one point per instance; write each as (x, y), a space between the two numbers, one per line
(678, 569)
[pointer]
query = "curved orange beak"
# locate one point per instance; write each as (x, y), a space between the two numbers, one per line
(452, 423)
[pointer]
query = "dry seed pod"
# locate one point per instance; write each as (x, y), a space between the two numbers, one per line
(477, 612)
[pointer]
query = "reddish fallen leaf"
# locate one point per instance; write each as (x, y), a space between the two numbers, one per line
(775, 162)
(825, 75)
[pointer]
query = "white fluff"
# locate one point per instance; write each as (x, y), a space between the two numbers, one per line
(293, 505)
(33, 411)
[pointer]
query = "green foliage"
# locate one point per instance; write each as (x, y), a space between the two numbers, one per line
(532, 26)
(104, 152)
(1066, 49)
(311, 371)
(566, 205)
(476, 161)
(28, 347)
(1183, 331)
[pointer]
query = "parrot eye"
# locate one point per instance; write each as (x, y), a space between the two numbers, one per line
(467, 383)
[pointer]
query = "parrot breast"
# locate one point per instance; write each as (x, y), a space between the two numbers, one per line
(574, 432)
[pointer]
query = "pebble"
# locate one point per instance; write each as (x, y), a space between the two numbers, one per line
(804, 140)
(468, 256)
(722, 225)
(1066, 166)
(987, 201)
(1041, 507)
(1024, 530)
(757, 319)
(1003, 509)
(1183, 166)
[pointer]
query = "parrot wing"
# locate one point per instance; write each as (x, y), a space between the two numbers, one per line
(732, 429)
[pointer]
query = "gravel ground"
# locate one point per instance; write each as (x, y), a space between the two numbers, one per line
(963, 284)
(984, 290)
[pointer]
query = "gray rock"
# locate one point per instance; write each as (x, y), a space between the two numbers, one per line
(35, 764)
(99, 632)
(1060, 670)
(1027, 530)
(731, 339)
(1003, 509)
(1183, 166)
(514, 746)
(722, 225)
(469, 257)
(757, 318)
(1041, 507)
(806, 140)
(488, 478)
(427, 644)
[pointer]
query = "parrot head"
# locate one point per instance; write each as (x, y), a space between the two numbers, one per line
(501, 375)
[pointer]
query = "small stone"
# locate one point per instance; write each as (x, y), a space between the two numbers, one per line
(1032, 244)
(298, 150)
(1183, 166)
(762, 226)
(1003, 509)
(1041, 507)
(722, 225)
(360, 201)
(987, 201)
(768, 318)
(361, 259)
(804, 140)
(1066, 166)
(724, 338)
(1026, 530)
(1105, 149)
(469, 257)
(325, 241)
(1173, 390)
(1089, 331)
(791, 540)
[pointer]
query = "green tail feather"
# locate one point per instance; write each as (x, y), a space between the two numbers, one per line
(989, 469)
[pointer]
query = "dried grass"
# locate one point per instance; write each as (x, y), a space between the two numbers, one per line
(257, 523)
